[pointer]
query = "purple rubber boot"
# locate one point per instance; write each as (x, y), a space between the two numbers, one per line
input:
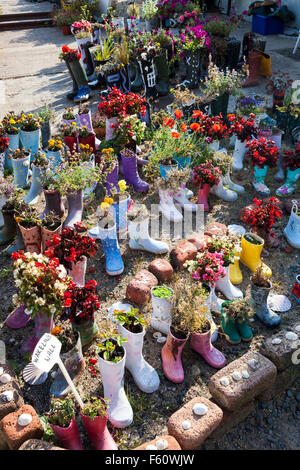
(112, 180)
(129, 163)
(201, 343)
(42, 324)
(75, 207)
(17, 318)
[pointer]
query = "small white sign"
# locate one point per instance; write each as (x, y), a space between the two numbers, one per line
(46, 352)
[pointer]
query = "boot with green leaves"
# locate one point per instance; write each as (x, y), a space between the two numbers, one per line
(162, 67)
(228, 326)
(234, 320)
(243, 329)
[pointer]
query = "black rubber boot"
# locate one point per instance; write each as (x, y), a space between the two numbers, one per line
(74, 91)
(161, 63)
(9, 229)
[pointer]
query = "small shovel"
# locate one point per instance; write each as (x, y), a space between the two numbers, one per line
(44, 357)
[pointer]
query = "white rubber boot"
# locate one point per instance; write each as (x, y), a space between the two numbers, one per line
(161, 318)
(145, 377)
(227, 288)
(140, 239)
(119, 411)
(231, 185)
(216, 303)
(213, 326)
(223, 193)
(181, 198)
(292, 230)
(238, 154)
(167, 207)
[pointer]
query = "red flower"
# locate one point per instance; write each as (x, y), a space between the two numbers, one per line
(178, 114)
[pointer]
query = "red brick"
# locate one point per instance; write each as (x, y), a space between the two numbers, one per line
(172, 443)
(238, 393)
(201, 426)
(15, 434)
(139, 288)
(199, 241)
(36, 444)
(17, 401)
(215, 229)
(161, 269)
(183, 252)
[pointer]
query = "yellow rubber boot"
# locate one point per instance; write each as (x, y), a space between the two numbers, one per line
(265, 65)
(235, 274)
(250, 254)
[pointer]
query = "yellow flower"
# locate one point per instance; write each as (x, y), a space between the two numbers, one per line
(104, 206)
(12, 121)
(73, 124)
(108, 200)
(30, 115)
(18, 219)
(122, 185)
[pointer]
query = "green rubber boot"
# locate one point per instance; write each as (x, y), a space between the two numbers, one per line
(161, 63)
(244, 330)
(229, 328)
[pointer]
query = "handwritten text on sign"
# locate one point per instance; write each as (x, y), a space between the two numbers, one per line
(46, 352)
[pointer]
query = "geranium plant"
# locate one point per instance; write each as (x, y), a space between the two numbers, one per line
(206, 173)
(207, 267)
(262, 216)
(41, 283)
(262, 152)
(244, 129)
(291, 159)
(81, 303)
(4, 143)
(118, 104)
(68, 54)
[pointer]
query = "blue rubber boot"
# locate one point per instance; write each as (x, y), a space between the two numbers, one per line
(263, 313)
(54, 158)
(12, 146)
(83, 94)
(119, 210)
(113, 260)
(36, 187)
(21, 169)
(259, 180)
(31, 141)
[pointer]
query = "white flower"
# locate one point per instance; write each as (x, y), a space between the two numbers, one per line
(18, 282)
(28, 311)
(41, 301)
(19, 261)
(15, 299)
(52, 309)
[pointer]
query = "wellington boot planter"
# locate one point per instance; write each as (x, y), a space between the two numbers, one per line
(90, 140)
(201, 344)
(12, 145)
(252, 246)
(68, 437)
(42, 324)
(98, 433)
(77, 272)
(32, 239)
(47, 236)
(9, 229)
(88, 331)
(171, 357)
(54, 203)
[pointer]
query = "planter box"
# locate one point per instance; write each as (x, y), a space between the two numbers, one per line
(266, 25)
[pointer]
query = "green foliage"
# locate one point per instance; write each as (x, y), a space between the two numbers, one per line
(61, 412)
(111, 348)
(130, 318)
(95, 407)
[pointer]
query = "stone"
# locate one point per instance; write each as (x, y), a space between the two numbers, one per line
(231, 419)
(236, 376)
(37, 444)
(161, 339)
(139, 288)
(186, 425)
(215, 229)
(281, 354)
(276, 341)
(237, 394)
(201, 426)
(16, 402)
(172, 444)
(199, 241)
(5, 378)
(200, 409)
(224, 381)
(290, 336)
(24, 419)
(182, 252)
(245, 374)
(15, 434)
(162, 269)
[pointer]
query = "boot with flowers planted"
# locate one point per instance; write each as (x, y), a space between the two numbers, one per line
(129, 163)
(263, 154)
(292, 163)
(292, 230)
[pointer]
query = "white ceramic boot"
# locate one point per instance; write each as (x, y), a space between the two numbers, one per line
(167, 207)
(238, 154)
(227, 288)
(145, 377)
(140, 239)
(223, 193)
(181, 198)
(231, 185)
(292, 230)
(119, 411)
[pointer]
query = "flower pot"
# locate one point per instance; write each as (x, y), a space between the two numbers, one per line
(47, 236)
(46, 133)
(161, 317)
(21, 169)
(85, 119)
(77, 272)
(54, 203)
(171, 357)
(66, 30)
(54, 158)
(71, 143)
(265, 133)
(201, 343)
(166, 168)
(12, 145)
(278, 97)
(68, 437)
(220, 105)
(112, 179)
(90, 140)
(277, 138)
(192, 60)
(259, 299)
(42, 324)
(296, 289)
(30, 140)
(75, 208)
(238, 154)
(183, 162)
(119, 211)
(88, 331)
(98, 433)
(214, 146)
(203, 196)
(31, 238)
(125, 84)
(74, 363)
(3, 199)
(81, 42)
(109, 130)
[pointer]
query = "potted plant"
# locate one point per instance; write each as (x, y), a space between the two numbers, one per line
(171, 190)
(133, 12)
(84, 117)
(41, 283)
(103, 52)
(291, 161)
(68, 116)
(162, 298)
(72, 249)
(46, 114)
(226, 187)
(94, 417)
(263, 154)
(131, 325)
(245, 130)
(10, 128)
(4, 143)
(119, 203)
(205, 175)
(20, 162)
(61, 418)
(296, 289)
(6, 190)
(30, 132)
(13, 205)
(184, 99)
(81, 91)
(98, 123)
(122, 55)
(111, 360)
(260, 289)
(234, 320)
(86, 137)
(40, 164)
(213, 129)
(132, 178)
(53, 197)
(149, 11)
(29, 225)
(81, 303)
(51, 225)
(277, 85)
(82, 31)
(54, 150)
(70, 136)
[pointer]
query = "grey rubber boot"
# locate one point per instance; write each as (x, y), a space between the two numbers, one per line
(75, 207)
(262, 311)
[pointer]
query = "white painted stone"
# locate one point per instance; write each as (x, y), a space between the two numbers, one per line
(245, 374)
(161, 339)
(224, 381)
(298, 328)
(162, 444)
(236, 376)
(186, 425)
(24, 419)
(291, 336)
(253, 364)
(5, 378)
(200, 409)
(7, 396)
(156, 335)
(276, 341)
(151, 447)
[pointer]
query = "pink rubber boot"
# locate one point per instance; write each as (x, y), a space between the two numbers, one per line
(201, 343)
(17, 318)
(171, 358)
(68, 437)
(42, 324)
(98, 432)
